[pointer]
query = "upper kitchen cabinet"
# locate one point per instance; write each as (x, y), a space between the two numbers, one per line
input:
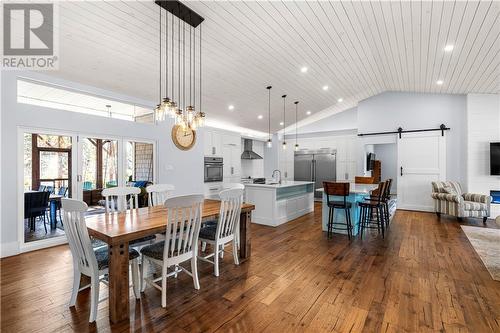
(212, 141)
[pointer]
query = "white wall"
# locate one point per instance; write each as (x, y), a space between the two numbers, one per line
(483, 127)
(253, 168)
(183, 169)
(390, 110)
(387, 154)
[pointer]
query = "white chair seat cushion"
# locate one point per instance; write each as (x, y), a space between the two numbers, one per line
(102, 256)
(471, 205)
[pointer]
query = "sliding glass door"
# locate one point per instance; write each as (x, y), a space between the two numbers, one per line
(98, 169)
(108, 162)
(55, 165)
(47, 178)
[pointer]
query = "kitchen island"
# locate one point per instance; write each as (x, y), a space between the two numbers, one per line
(276, 204)
(357, 193)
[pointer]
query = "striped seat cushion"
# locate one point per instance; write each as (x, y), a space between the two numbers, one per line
(470, 205)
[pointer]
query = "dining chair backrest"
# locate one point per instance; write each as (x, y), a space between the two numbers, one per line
(41, 188)
(388, 188)
(35, 203)
(229, 214)
(228, 186)
(159, 193)
(116, 198)
(183, 225)
(62, 191)
(49, 189)
(380, 191)
(78, 237)
(337, 189)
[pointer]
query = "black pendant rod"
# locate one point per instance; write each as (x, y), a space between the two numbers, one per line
(400, 131)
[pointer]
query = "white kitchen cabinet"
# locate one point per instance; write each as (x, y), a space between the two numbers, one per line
(212, 141)
(232, 161)
(212, 190)
(231, 154)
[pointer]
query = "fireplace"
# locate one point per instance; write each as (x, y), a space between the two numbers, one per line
(496, 196)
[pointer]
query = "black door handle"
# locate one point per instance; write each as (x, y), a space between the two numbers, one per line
(401, 171)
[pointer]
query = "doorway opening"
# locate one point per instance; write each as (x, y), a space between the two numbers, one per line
(46, 180)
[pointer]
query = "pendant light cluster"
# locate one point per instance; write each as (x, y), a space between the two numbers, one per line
(269, 140)
(180, 101)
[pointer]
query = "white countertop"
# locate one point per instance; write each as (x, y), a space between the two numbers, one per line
(358, 188)
(287, 183)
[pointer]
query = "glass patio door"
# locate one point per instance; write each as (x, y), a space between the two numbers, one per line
(48, 164)
(98, 168)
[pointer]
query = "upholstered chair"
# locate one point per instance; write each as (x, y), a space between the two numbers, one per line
(449, 199)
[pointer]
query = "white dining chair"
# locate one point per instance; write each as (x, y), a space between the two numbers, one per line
(116, 201)
(180, 244)
(224, 232)
(159, 193)
(116, 198)
(87, 260)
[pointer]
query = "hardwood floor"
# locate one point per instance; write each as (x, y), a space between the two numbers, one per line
(423, 277)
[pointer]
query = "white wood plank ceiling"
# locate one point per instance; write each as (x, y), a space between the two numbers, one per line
(357, 49)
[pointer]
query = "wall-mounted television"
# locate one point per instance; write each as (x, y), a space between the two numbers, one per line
(370, 160)
(495, 158)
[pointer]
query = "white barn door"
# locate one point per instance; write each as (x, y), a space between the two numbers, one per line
(421, 160)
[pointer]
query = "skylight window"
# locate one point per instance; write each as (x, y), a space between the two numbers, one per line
(56, 97)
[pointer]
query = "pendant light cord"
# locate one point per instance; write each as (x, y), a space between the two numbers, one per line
(269, 110)
(184, 65)
(179, 63)
(166, 54)
(200, 70)
(284, 118)
(160, 55)
(190, 65)
(296, 128)
(173, 57)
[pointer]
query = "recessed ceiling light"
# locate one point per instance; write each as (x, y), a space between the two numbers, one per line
(340, 100)
(325, 88)
(308, 112)
(230, 107)
(281, 123)
(260, 116)
(304, 69)
(439, 82)
(448, 48)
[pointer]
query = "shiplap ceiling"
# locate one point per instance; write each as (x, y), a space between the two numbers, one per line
(358, 49)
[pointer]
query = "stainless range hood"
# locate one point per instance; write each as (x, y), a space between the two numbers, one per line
(248, 153)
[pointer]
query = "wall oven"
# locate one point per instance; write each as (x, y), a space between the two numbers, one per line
(213, 169)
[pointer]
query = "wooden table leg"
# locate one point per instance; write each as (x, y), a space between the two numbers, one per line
(245, 243)
(118, 282)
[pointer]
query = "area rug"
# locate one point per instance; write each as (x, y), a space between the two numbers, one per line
(486, 242)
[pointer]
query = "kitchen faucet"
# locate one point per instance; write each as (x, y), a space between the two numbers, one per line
(279, 172)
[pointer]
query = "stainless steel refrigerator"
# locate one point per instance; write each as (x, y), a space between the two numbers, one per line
(315, 166)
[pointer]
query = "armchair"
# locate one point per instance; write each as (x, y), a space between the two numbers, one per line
(449, 199)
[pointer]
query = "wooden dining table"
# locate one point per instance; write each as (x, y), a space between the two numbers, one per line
(118, 229)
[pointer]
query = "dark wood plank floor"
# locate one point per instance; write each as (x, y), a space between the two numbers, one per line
(423, 277)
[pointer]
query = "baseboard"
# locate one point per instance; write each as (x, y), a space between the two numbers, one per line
(9, 249)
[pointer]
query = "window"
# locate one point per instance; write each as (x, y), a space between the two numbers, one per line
(46, 95)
